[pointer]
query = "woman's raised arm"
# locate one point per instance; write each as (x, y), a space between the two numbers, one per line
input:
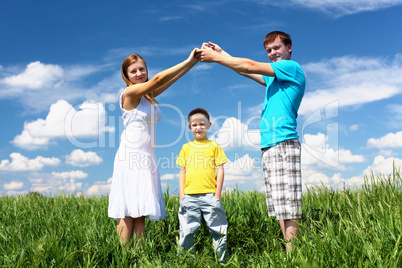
(162, 80)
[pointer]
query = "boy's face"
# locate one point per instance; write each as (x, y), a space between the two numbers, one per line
(199, 126)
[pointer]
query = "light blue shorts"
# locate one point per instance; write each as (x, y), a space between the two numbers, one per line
(195, 206)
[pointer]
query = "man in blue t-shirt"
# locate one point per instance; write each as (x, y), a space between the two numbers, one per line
(280, 148)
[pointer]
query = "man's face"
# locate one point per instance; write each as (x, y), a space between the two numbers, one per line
(278, 51)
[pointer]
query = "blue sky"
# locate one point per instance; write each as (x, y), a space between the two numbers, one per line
(60, 81)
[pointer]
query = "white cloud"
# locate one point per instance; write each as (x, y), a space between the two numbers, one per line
(354, 127)
(44, 189)
(68, 182)
(386, 153)
(35, 76)
(336, 8)
(317, 153)
(13, 185)
(355, 181)
(100, 188)
(391, 140)
(396, 110)
(149, 51)
(346, 7)
(242, 167)
(312, 178)
(21, 163)
(348, 80)
(27, 141)
(39, 85)
(83, 159)
(170, 18)
(394, 117)
(70, 187)
(203, 67)
(64, 121)
(246, 171)
(233, 134)
(110, 98)
(56, 182)
(346, 96)
(15, 193)
(74, 174)
(167, 177)
(319, 159)
(382, 165)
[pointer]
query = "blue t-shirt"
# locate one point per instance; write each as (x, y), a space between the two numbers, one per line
(282, 100)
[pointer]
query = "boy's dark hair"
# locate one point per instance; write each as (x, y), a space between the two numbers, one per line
(198, 111)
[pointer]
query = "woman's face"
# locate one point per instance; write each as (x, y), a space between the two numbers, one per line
(137, 72)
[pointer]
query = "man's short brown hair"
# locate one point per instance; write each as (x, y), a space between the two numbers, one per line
(270, 38)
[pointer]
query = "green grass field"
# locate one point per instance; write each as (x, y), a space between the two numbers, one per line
(340, 228)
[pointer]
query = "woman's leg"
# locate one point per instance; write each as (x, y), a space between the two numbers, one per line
(139, 227)
(128, 226)
(125, 229)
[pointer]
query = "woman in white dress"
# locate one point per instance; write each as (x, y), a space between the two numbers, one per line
(136, 189)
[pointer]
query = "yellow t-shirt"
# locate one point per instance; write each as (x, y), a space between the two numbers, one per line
(200, 159)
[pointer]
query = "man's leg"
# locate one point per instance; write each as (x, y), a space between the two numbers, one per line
(293, 180)
(282, 174)
(289, 231)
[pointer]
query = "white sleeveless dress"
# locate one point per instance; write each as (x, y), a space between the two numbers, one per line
(136, 187)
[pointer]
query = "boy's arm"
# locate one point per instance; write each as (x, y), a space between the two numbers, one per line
(219, 181)
(182, 181)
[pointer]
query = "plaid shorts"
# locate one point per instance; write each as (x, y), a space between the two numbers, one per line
(283, 183)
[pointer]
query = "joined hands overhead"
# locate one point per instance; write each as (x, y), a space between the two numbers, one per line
(209, 51)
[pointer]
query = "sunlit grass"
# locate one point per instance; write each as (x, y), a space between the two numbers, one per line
(340, 228)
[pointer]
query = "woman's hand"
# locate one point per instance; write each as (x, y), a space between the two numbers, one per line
(193, 57)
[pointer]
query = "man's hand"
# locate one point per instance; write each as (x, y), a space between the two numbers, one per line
(205, 45)
(207, 55)
(214, 47)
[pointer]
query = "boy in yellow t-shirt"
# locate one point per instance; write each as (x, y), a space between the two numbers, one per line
(201, 185)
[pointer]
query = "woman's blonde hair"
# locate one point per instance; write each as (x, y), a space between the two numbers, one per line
(130, 59)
